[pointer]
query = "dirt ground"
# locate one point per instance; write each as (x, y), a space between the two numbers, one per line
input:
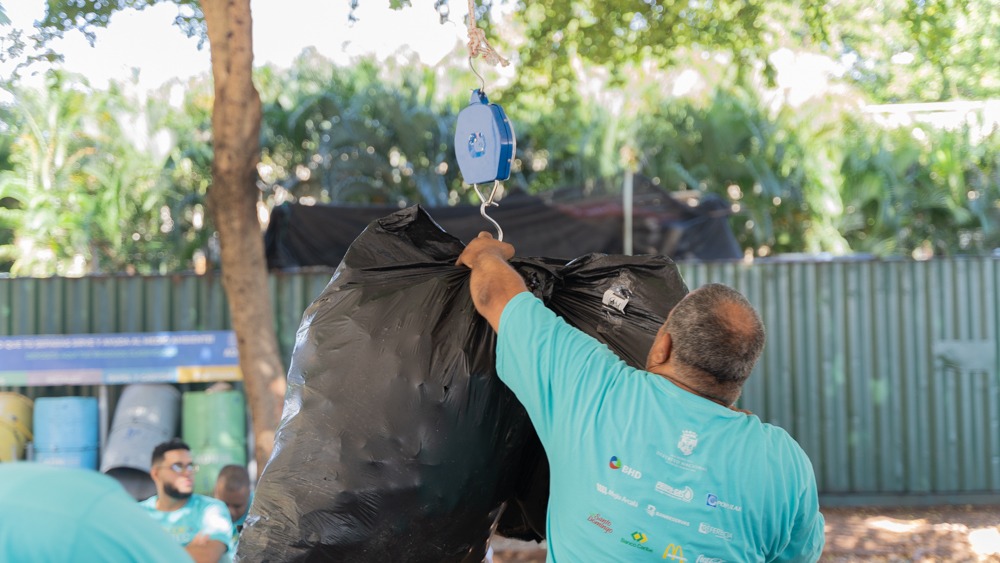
(881, 535)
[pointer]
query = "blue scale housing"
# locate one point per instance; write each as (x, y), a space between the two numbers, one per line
(484, 141)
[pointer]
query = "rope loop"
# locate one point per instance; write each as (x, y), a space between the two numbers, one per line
(478, 44)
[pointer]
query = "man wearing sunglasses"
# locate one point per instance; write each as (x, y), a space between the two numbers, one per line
(199, 523)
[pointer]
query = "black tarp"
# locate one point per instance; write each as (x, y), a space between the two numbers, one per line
(398, 442)
(318, 235)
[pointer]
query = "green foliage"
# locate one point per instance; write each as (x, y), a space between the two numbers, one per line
(612, 32)
(558, 144)
(916, 189)
(906, 51)
(187, 174)
(42, 190)
(590, 101)
(352, 136)
(797, 176)
(83, 193)
(896, 50)
(782, 188)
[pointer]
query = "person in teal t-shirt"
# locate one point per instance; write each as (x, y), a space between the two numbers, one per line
(199, 523)
(54, 514)
(654, 464)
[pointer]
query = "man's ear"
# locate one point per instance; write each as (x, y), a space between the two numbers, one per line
(659, 353)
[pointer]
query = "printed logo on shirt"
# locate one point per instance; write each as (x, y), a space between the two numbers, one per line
(714, 502)
(616, 463)
(652, 511)
(680, 462)
(637, 540)
(181, 534)
(685, 494)
(601, 522)
(710, 530)
(604, 490)
(688, 442)
(706, 559)
(674, 552)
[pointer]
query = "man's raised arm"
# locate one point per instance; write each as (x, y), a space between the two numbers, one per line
(493, 282)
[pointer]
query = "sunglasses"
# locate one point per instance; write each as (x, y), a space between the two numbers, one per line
(183, 467)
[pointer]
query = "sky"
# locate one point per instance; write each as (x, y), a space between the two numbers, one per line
(148, 40)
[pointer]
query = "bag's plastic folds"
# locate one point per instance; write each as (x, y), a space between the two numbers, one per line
(398, 442)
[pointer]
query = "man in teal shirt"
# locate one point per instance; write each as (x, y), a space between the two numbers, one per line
(57, 514)
(199, 523)
(654, 464)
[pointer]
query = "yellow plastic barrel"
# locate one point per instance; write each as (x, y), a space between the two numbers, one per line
(11, 445)
(15, 425)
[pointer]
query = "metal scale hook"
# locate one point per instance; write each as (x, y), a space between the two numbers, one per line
(482, 83)
(490, 203)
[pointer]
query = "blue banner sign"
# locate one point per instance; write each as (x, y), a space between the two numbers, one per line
(96, 359)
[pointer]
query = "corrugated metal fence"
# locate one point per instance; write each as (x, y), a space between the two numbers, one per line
(106, 304)
(886, 372)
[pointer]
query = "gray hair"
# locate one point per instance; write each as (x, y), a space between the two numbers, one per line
(717, 331)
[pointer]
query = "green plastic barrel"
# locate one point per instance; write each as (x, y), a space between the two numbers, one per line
(213, 423)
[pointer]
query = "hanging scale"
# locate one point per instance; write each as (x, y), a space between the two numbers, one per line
(484, 138)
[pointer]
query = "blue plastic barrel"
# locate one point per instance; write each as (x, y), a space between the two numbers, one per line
(85, 458)
(66, 431)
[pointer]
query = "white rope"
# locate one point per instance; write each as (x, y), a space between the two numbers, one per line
(478, 45)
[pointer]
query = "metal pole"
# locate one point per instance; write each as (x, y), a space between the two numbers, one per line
(102, 410)
(627, 212)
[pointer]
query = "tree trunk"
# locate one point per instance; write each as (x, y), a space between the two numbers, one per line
(232, 201)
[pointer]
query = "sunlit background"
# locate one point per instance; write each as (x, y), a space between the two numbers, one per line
(147, 41)
(849, 132)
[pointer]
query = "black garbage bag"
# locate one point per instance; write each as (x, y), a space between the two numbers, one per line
(398, 442)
